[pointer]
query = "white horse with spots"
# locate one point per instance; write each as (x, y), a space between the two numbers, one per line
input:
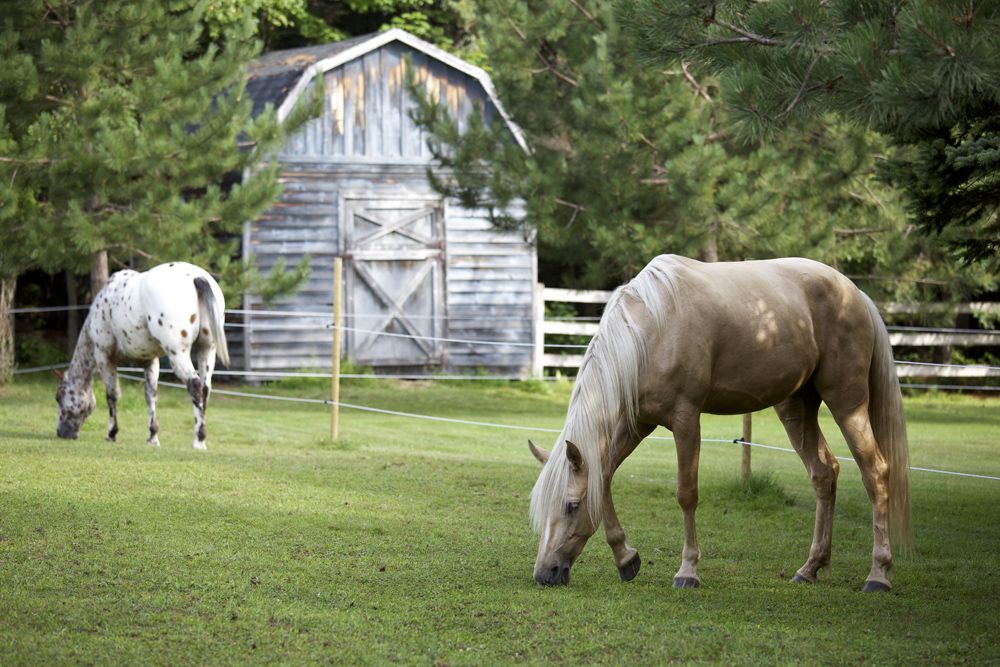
(174, 309)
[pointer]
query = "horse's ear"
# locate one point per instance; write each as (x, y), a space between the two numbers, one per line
(574, 457)
(58, 373)
(540, 454)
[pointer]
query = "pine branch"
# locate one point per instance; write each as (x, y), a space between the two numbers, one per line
(577, 209)
(548, 66)
(590, 17)
(701, 90)
(802, 89)
(745, 36)
(14, 160)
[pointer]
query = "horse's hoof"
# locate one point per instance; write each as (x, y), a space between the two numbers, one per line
(199, 445)
(686, 582)
(799, 579)
(875, 587)
(628, 571)
(153, 443)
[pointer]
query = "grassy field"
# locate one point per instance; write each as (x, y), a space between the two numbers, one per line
(407, 541)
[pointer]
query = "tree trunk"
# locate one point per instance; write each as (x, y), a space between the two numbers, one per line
(72, 315)
(710, 251)
(98, 272)
(7, 286)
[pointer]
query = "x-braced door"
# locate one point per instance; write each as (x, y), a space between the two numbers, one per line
(395, 295)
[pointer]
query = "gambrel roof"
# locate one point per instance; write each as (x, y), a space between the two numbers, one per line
(280, 77)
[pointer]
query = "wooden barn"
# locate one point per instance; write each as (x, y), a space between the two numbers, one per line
(434, 276)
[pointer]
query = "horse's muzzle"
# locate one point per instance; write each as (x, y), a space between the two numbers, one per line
(557, 575)
(66, 433)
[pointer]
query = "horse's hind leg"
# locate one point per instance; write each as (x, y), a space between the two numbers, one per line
(204, 358)
(687, 437)
(856, 427)
(185, 372)
(798, 414)
(152, 375)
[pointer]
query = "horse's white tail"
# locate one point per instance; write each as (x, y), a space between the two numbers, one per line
(885, 410)
(217, 319)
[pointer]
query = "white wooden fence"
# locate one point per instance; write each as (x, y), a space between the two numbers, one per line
(930, 338)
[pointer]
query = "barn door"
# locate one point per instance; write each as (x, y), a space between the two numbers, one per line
(395, 264)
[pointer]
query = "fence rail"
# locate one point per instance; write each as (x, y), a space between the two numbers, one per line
(915, 337)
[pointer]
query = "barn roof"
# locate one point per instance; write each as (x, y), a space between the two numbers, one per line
(280, 77)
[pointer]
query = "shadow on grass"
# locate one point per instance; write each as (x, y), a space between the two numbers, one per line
(760, 490)
(26, 435)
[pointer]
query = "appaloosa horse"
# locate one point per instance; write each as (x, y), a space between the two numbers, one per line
(683, 338)
(174, 309)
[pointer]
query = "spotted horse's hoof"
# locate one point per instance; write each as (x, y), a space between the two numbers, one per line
(686, 582)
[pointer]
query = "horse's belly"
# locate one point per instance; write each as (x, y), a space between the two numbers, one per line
(137, 344)
(751, 391)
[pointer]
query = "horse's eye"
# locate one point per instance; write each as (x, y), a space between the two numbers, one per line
(572, 507)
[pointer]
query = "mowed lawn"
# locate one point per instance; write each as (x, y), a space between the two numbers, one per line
(407, 541)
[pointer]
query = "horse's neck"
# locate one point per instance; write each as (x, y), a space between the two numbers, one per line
(591, 426)
(81, 367)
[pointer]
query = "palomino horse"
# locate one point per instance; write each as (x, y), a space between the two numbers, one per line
(683, 338)
(175, 309)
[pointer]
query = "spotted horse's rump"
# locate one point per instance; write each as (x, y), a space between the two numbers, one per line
(174, 309)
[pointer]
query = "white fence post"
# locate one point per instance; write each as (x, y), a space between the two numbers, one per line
(538, 331)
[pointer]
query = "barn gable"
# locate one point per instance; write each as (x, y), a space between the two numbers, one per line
(421, 269)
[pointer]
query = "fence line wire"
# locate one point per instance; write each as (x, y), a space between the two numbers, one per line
(514, 427)
(468, 318)
(465, 341)
(390, 376)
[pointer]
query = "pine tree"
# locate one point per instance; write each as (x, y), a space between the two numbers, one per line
(122, 131)
(925, 74)
(629, 161)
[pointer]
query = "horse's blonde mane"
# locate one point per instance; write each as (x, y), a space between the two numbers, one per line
(606, 390)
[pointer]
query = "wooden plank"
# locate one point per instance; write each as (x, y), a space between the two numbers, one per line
(391, 87)
(490, 299)
(972, 307)
(929, 339)
(487, 236)
(354, 108)
(469, 253)
(914, 370)
(570, 328)
(413, 138)
(485, 275)
(373, 82)
(576, 296)
(335, 96)
(562, 360)
(523, 260)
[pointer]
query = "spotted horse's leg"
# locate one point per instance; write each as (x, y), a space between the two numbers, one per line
(109, 376)
(152, 375)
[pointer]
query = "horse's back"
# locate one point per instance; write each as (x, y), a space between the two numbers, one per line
(742, 336)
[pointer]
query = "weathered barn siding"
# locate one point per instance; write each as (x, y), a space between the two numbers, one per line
(366, 107)
(355, 186)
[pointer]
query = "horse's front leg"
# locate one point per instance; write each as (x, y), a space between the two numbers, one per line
(152, 375)
(109, 376)
(626, 558)
(687, 437)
